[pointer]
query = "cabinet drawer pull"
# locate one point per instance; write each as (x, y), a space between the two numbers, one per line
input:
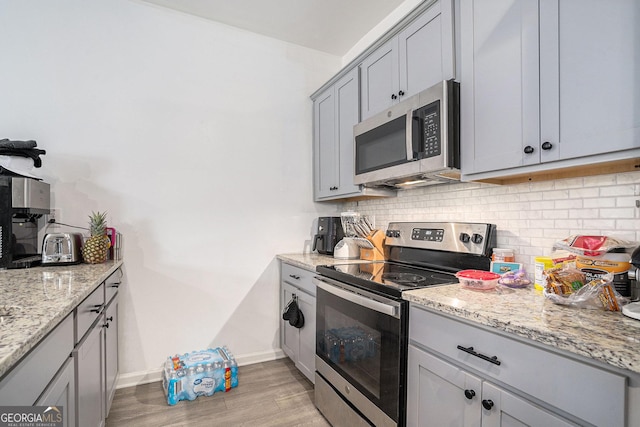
(528, 149)
(97, 308)
(487, 404)
(469, 394)
(293, 276)
(493, 359)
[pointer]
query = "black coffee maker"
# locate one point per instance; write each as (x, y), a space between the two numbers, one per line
(328, 235)
(23, 202)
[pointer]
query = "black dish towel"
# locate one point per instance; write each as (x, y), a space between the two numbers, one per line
(293, 314)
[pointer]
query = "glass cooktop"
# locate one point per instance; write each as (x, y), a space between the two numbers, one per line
(387, 278)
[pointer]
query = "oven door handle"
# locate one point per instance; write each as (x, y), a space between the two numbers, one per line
(339, 291)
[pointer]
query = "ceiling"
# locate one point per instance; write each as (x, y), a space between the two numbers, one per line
(331, 26)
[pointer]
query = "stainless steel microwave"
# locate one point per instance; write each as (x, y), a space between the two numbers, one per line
(415, 142)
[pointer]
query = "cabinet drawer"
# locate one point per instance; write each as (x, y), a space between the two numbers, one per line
(587, 392)
(88, 311)
(299, 277)
(112, 284)
(26, 382)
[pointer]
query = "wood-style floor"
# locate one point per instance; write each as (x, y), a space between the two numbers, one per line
(268, 394)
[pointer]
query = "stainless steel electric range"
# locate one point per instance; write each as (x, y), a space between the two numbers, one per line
(362, 320)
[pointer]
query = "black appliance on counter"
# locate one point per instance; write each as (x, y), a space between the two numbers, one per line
(362, 321)
(23, 201)
(329, 233)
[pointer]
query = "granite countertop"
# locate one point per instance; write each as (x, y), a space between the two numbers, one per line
(608, 337)
(310, 261)
(37, 299)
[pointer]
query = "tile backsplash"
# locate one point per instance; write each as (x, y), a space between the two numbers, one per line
(530, 217)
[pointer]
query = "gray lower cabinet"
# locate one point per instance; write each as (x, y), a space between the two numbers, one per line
(42, 374)
(61, 393)
(419, 56)
(466, 375)
(88, 356)
(540, 90)
(96, 354)
(442, 394)
(111, 351)
(76, 365)
(299, 343)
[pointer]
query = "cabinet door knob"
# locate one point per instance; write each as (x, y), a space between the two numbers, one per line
(469, 394)
(547, 145)
(528, 149)
(109, 319)
(401, 93)
(487, 404)
(394, 96)
(106, 325)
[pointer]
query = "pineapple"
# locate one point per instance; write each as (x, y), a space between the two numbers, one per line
(95, 248)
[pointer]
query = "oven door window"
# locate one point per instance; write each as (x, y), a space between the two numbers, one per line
(382, 147)
(363, 346)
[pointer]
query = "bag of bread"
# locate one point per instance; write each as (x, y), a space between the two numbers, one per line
(566, 286)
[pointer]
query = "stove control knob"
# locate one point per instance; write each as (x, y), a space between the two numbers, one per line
(476, 238)
(396, 233)
(464, 237)
(389, 233)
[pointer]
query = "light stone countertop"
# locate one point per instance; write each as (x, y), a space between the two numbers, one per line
(608, 337)
(310, 261)
(40, 298)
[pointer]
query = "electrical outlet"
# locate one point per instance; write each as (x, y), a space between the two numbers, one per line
(54, 215)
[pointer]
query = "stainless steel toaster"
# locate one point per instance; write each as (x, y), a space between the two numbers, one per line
(61, 248)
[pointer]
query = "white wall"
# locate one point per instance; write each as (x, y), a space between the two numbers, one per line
(379, 30)
(194, 136)
(530, 217)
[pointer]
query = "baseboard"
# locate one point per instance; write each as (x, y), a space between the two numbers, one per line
(144, 377)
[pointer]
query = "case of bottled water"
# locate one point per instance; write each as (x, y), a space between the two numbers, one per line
(199, 373)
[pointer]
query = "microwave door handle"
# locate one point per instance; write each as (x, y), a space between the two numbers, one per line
(409, 136)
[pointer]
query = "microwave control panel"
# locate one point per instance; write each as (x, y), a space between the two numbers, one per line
(428, 118)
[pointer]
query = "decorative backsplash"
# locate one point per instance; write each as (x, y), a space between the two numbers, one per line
(530, 217)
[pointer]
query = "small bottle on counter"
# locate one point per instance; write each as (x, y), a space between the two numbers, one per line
(503, 255)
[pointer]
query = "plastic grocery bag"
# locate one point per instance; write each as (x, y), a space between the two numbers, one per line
(594, 245)
(568, 286)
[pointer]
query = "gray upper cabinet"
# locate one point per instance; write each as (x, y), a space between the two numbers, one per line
(541, 90)
(380, 79)
(589, 95)
(419, 56)
(499, 87)
(325, 152)
(335, 113)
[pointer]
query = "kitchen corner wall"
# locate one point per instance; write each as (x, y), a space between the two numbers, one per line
(195, 137)
(530, 217)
